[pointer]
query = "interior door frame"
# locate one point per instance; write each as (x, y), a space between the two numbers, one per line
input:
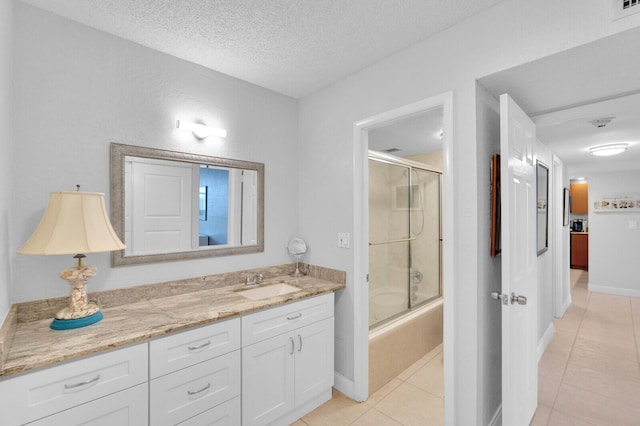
(361, 239)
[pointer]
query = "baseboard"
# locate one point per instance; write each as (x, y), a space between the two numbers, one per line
(546, 339)
(618, 291)
(564, 307)
(343, 384)
(496, 420)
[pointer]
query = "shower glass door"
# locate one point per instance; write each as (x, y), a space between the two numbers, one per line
(389, 240)
(405, 236)
(425, 281)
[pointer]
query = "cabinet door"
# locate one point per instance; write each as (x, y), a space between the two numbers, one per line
(313, 360)
(225, 414)
(125, 408)
(579, 198)
(185, 393)
(286, 318)
(580, 250)
(181, 350)
(44, 392)
(267, 379)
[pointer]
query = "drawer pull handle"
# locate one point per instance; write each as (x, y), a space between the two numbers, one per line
(291, 318)
(293, 345)
(199, 391)
(86, 382)
(300, 347)
(204, 345)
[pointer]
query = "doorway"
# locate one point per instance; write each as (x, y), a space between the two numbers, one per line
(361, 230)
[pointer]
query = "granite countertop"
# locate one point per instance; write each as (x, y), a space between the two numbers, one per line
(143, 313)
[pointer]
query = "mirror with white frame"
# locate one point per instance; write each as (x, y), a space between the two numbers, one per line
(168, 205)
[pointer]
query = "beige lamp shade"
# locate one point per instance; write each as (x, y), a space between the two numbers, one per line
(73, 223)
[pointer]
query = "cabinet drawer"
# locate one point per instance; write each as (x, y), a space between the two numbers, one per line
(225, 414)
(185, 393)
(181, 350)
(265, 324)
(35, 395)
(125, 408)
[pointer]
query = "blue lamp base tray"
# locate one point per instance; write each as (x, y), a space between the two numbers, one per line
(69, 324)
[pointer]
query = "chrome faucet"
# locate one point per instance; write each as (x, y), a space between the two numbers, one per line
(256, 279)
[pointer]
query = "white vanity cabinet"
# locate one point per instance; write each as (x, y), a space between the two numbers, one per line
(287, 361)
(268, 367)
(94, 391)
(195, 376)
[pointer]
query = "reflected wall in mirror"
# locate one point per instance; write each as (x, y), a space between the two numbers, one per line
(542, 174)
(168, 205)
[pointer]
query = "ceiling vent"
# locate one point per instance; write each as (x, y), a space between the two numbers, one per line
(602, 122)
(390, 150)
(624, 8)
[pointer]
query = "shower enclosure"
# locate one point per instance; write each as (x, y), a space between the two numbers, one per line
(405, 237)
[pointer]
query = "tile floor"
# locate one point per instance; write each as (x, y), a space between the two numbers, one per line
(589, 374)
(415, 397)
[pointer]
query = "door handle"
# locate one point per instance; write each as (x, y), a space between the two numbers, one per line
(521, 300)
(293, 346)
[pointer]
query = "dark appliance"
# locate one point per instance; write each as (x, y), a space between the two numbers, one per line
(577, 225)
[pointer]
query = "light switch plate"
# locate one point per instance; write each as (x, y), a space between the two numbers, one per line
(344, 240)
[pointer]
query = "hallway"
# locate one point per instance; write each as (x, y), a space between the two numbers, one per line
(590, 373)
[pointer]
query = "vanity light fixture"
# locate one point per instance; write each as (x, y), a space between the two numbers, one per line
(74, 223)
(608, 150)
(201, 131)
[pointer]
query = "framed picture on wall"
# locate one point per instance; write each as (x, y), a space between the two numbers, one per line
(495, 206)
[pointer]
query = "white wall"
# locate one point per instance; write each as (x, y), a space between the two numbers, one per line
(489, 316)
(613, 247)
(509, 34)
(545, 260)
(6, 145)
(78, 89)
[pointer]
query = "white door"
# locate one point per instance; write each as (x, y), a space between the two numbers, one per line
(519, 272)
(161, 206)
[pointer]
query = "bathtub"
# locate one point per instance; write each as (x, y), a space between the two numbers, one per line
(397, 344)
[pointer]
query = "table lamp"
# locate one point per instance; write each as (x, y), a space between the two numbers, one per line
(74, 223)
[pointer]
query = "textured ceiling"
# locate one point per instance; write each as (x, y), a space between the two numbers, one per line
(293, 47)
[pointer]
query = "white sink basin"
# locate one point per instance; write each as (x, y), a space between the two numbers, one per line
(271, 290)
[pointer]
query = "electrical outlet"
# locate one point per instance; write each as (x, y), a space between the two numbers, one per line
(633, 224)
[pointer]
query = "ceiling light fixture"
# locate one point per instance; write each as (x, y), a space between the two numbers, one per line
(201, 131)
(608, 150)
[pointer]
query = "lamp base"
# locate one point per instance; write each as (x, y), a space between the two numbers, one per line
(69, 324)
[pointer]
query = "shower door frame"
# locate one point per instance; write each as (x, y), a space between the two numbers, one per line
(359, 387)
(411, 166)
